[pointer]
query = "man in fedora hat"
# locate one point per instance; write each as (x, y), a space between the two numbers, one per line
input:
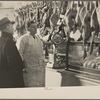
(11, 66)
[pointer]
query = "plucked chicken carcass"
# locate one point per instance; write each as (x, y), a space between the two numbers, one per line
(92, 61)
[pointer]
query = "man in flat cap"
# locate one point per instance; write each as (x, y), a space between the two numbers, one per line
(11, 66)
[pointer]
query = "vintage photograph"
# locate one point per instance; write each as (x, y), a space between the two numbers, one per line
(49, 44)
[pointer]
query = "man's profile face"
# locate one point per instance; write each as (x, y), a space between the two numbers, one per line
(10, 28)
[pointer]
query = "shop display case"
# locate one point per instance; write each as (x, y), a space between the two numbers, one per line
(69, 56)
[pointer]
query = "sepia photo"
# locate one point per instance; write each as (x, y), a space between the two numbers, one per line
(49, 44)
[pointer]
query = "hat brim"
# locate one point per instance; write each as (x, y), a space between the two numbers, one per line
(12, 22)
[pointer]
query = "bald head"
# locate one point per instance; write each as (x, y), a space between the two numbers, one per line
(32, 28)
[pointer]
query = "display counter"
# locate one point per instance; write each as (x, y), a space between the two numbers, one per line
(75, 74)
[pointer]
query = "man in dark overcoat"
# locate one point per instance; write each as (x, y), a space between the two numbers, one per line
(11, 66)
